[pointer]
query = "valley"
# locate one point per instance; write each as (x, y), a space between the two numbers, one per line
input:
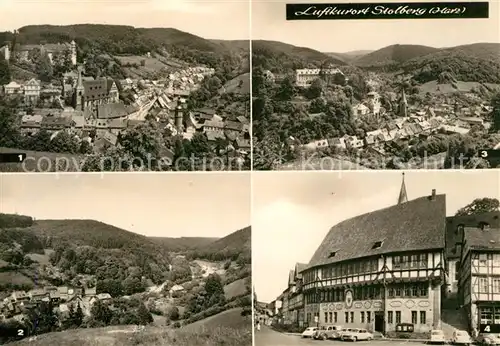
(398, 107)
(87, 274)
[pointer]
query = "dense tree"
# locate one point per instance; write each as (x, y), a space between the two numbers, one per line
(496, 112)
(44, 68)
(144, 315)
(4, 72)
(479, 206)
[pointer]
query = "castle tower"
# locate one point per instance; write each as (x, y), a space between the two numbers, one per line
(73, 53)
(179, 118)
(79, 92)
(403, 105)
(403, 198)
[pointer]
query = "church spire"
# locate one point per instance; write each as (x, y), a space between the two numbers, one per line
(402, 193)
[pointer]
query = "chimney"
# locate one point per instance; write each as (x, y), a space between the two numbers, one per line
(433, 195)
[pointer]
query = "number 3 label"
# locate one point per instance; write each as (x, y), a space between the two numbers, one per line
(487, 329)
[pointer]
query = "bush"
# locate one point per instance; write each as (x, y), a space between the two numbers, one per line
(177, 324)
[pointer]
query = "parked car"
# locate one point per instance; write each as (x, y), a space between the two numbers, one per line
(488, 339)
(357, 335)
(343, 331)
(309, 332)
(437, 336)
(327, 332)
(461, 337)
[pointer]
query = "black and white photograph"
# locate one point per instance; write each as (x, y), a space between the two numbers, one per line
(384, 257)
(140, 85)
(125, 259)
(371, 93)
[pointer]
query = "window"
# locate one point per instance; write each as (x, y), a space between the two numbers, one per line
(457, 270)
(423, 290)
(346, 317)
(414, 261)
(377, 245)
(496, 285)
(362, 317)
(423, 318)
(334, 317)
(352, 316)
(486, 316)
(390, 317)
(398, 317)
(407, 291)
(368, 317)
(423, 260)
(332, 254)
(390, 292)
(483, 285)
(414, 291)
(398, 292)
(414, 317)
(326, 317)
(331, 317)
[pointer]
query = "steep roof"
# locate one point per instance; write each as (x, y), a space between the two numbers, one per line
(453, 236)
(479, 239)
(415, 225)
(299, 267)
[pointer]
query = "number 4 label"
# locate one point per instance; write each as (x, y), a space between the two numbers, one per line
(487, 329)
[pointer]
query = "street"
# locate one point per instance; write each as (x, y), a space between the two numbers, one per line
(269, 337)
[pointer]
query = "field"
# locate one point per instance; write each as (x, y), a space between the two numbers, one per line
(233, 86)
(235, 289)
(37, 161)
(435, 88)
(152, 65)
(42, 259)
(227, 328)
(15, 278)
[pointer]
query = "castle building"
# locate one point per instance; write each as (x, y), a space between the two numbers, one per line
(304, 77)
(22, 52)
(381, 271)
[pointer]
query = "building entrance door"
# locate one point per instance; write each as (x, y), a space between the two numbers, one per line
(379, 322)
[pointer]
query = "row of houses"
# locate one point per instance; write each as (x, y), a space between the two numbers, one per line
(19, 302)
(445, 275)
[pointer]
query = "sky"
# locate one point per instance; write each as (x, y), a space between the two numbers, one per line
(293, 211)
(269, 23)
(163, 205)
(231, 17)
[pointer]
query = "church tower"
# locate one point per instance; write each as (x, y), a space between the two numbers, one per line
(403, 105)
(73, 53)
(403, 198)
(179, 117)
(79, 93)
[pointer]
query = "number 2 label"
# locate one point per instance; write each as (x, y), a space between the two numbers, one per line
(20, 332)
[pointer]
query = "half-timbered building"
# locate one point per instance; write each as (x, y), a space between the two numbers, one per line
(455, 226)
(296, 296)
(382, 271)
(479, 278)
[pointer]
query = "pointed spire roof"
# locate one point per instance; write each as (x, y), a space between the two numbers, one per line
(403, 198)
(403, 97)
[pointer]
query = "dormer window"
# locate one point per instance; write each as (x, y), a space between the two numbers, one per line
(377, 245)
(332, 254)
(460, 228)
